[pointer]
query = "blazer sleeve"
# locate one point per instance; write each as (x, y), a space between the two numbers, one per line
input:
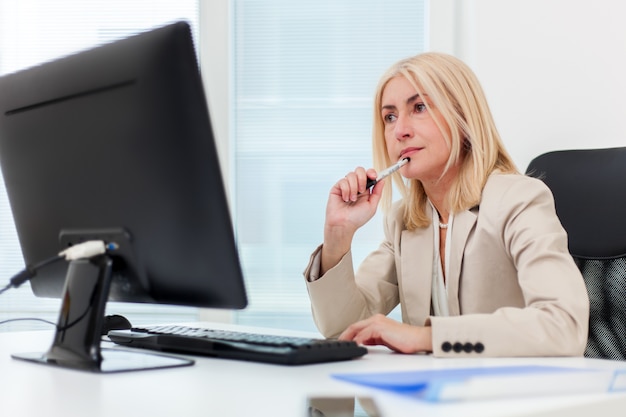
(554, 320)
(340, 297)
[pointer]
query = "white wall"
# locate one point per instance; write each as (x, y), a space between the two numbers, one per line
(214, 62)
(554, 71)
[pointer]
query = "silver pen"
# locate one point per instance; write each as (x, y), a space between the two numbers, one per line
(387, 172)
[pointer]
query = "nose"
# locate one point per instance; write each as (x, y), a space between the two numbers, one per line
(403, 128)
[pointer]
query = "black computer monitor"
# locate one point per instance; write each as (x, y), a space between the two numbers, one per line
(115, 144)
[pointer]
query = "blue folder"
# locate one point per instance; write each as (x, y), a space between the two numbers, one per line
(454, 384)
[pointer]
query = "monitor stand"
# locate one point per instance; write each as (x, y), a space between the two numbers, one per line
(76, 343)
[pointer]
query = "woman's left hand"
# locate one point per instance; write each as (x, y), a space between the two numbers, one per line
(381, 330)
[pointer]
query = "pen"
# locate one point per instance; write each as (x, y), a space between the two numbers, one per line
(388, 171)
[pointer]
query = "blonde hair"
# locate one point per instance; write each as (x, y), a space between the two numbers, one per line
(472, 136)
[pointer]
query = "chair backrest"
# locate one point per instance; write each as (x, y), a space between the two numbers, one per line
(589, 188)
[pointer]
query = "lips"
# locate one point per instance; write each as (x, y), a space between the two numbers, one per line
(408, 152)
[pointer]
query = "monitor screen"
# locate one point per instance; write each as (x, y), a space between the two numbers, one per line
(115, 143)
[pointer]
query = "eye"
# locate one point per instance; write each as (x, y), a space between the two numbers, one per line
(389, 118)
(420, 107)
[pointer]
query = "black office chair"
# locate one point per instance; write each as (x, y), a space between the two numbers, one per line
(589, 188)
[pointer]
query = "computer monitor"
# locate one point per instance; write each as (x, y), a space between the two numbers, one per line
(115, 143)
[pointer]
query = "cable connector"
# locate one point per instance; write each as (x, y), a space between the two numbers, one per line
(87, 249)
(83, 250)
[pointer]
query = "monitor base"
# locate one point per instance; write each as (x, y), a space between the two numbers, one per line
(113, 360)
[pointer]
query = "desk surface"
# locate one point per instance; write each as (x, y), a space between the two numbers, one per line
(218, 387)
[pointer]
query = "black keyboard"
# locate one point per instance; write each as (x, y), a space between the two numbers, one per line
(286, 350)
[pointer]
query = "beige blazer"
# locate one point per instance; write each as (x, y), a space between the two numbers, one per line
(513, 289)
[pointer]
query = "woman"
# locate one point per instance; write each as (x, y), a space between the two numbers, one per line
(473, 252)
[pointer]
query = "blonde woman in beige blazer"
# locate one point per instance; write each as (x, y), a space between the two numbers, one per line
(473, 251)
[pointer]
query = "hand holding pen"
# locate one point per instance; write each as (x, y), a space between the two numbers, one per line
(349, 207)
(388, 171)
(351, 189)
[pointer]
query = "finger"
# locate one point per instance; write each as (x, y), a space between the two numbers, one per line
(370, 335)
(371, 174)
(361, 176)
(355, 181)
(353, 329)
(343, 189)
(346, 187)
(349, 333)
(353, 186)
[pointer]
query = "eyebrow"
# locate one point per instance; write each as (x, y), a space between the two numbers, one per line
(409, 100)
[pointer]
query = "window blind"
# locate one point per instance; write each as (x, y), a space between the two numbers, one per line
(304, 75)
(35, 31)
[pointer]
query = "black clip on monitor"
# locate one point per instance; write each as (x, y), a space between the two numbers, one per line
(115, 144)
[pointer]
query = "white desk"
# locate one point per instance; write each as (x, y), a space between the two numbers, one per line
(224, 388)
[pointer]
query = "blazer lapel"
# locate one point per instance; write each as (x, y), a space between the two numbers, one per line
(416, 278)
(461, 227)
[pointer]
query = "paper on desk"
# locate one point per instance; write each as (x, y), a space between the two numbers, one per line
(456, 384)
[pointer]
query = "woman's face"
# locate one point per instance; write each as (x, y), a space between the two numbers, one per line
(411, 131)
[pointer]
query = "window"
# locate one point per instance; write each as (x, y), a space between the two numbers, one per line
(304, 75)
(34, 31)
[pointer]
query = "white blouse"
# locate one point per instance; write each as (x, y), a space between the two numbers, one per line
(439, 292)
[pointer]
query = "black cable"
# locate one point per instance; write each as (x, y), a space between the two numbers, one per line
(27, 319)
(5, 288)
(104, 339)
(58, 328)
(82, 250)
(30, 271)
(79, 318)
(86, 249)
(25, 275)
(55, 325)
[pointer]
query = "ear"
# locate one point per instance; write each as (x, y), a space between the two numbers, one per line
(467, 145)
